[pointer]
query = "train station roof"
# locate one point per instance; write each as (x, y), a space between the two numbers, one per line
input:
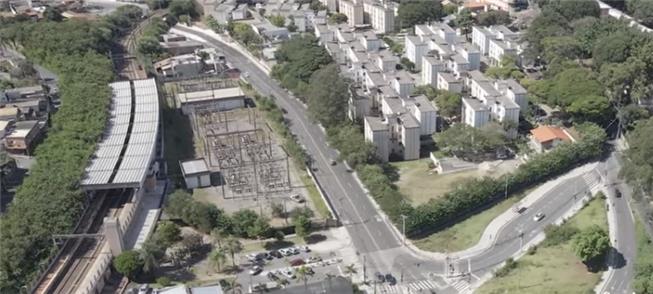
(123, 157)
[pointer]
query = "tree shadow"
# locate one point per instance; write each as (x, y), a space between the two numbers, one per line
(391, 171)
(315, 238)
(275, 245)
(618, 260)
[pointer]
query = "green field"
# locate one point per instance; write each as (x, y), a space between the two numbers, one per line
(466, 233)
(554, 269)
(418, 184)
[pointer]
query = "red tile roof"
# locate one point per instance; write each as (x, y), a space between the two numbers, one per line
(545, 134)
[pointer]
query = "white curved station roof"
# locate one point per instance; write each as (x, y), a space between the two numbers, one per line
(123, 157)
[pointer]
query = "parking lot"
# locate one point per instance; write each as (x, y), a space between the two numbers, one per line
(283, 267)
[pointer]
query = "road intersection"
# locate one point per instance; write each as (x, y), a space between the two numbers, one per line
(375, 239)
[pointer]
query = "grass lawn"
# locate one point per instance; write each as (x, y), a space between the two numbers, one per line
(314, 194)
(466, 233)
(554, 269)
(418, 184)
(644, 258)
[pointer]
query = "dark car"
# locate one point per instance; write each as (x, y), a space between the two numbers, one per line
(272, 276)
(379, 277)
(617, 193)
(276, 254)
(390, 279)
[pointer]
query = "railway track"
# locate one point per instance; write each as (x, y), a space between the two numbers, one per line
(87, 249)
(125, 61)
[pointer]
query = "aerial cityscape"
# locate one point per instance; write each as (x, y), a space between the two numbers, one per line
(326, 146)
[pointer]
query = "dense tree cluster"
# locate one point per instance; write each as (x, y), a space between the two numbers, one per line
(207, 217)
(471, 143)
(77, 51)
(638, 169)
(327, 95)
(593, 65)
(449, 103)
(337, 18)
(148, 43)
(244, 34)
(493, 17)
(413, 12)
(298, 58)
(476, 193)
(591, 245)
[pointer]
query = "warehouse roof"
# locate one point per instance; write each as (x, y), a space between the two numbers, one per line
(214, 94)
(123, 157)
(194, 166)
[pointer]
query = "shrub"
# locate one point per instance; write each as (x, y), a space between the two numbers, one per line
(510, 265)
(164, 281)
(556, 235)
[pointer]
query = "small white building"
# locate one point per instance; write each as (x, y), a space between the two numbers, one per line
(475, 113)
(196, 173)
(377, 132)
(415, 50)
(240, 12)
(425, 113)
(447, 81)
(430, 68)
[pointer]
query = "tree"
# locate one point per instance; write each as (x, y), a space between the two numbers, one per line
(151, 254)
(547, 24)
(260, 228)
(278, 210)
(641, 10)
(168, 233)
(465, 21)
(407, 64)
(233, 246)
(185, 19)
(632, 113)
(128, 263)
(218, 258)
(347, 139)
(277, 20)
(242, 221)
(414, 12)
(192, 243)
(506, 70)
(493, 17)
(218, 234)
(472, 143)
(182, 7)
(302, 226)
(591, 244)
(302, 274)
(327, 96)
(561, 48)
(52, 14)
(638, 170)
(572, 10)
(337, 18)
(591, 108)
(448, 103)
(350, 270)
(213, 24)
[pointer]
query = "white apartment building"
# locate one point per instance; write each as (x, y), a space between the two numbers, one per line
(402, 83)
(447, 81)
(380, 15)
(430, 68)
(353, 9)
(496, 41)
(475, 113)
(415, 50)
(425, 113)
(503, 100)
(385, 61)
(377, 132)
(370, 41)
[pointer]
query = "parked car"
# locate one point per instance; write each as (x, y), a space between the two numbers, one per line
(538, 216)
(309, 271)
(251, 257)
(144, 289)
(379, 277)
(305, 248)
(294, 250)
(333, 162)
(288, 273)
(390, 279)
(313, 259)
(255, 270)
(275, 253)
(286, 251)
(297, 198)
(297, 262)
(272, 276)
(617, 193)
(262, 256)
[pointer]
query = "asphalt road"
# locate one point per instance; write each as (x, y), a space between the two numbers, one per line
(624, 252)
(376, 242)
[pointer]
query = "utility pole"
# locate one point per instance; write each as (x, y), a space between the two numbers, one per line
(521, 240)
(506, 189)
(403, 220)
(364, 269)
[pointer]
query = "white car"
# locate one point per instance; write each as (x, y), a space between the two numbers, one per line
(288, 273)
(313, 259)
(255, 270)
(305, 248)
(538, 216)
(297, 198)
(286, 251)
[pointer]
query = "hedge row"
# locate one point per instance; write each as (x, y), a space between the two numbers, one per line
(477, 193)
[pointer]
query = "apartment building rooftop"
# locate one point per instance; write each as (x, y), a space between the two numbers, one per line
(475, 104)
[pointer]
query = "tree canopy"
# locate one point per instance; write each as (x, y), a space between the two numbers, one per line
(591, 244)
(128, 263)
(337, 18)
(327, 96)
(638, 170)
(298, 58)
(493, 17)
(414, 12)
(472, 143)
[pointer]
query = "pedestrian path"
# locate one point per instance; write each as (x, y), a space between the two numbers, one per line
(423, 286)
(461, 285)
